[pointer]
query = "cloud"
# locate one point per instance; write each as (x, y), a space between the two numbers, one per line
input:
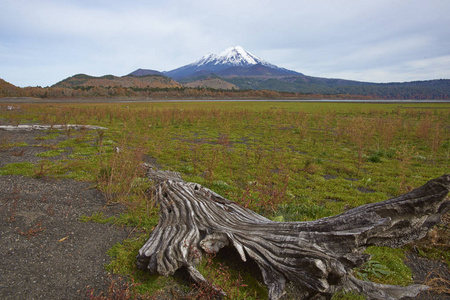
(409, 70)
(49, 40)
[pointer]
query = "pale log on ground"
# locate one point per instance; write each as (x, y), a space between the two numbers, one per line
(48, 127)
(317, 256)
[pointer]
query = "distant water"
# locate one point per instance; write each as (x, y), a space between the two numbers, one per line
(291, 100)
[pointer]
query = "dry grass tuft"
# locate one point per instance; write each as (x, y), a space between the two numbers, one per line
(119, 289)
(438, 283)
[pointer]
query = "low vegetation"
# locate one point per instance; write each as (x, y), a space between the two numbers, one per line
(286, 161)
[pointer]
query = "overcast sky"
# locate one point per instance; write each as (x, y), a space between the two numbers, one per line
(45, 41)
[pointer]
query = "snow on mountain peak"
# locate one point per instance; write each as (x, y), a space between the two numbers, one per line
(206, 59)
(232, 61)
(232, 56)
(237, 56)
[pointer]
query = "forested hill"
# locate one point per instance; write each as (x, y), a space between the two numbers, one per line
(430, 89)
(9, 90)
(149, 81)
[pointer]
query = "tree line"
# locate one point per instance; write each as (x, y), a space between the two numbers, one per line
(162, 93)
(250, 91)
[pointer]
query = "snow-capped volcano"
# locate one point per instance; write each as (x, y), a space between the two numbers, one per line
(233, 57)
(232, 61)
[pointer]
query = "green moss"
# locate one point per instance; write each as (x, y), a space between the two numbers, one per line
(50, 153)
(236, 279)
(392, 259)
(20, 144)
(68, 143)
(48, 137)
(84, 151)
(97, 217)
(145, 220)
(347, 296)
(302, 212)
(80, 175)
(374, 158)
(22, 168)
(6, 144)
(123, 262)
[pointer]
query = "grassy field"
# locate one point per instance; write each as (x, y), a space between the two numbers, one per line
(286, 161)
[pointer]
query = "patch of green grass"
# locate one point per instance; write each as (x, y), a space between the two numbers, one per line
(50, 153)
(19, 144)
(84, 151)
(139, 214)
(80, 175)
(48, 136)
(236, 279)
(80, 147)
(5, 144)
(389, 153)
(386, 266)
(374, 158)
(97, 217)
(144, 219)
(124, 255)
(124, 263)
(69, 143)
(22, 168)
(347, 296)
(221, 187)
(302, 212)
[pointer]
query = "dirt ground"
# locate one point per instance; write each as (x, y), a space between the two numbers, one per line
(48, 253)
(424, 270)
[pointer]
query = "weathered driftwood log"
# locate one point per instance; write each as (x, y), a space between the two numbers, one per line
(46, 127)
(317, 256)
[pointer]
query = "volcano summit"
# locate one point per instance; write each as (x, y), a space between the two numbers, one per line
(233, 61)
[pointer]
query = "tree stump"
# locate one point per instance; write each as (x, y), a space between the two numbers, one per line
(317, 256)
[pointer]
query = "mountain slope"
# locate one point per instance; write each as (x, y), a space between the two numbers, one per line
(213, 83)
(150, 81)
(232, 61)
(257, 71)
(145, 72)
(9, 90)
